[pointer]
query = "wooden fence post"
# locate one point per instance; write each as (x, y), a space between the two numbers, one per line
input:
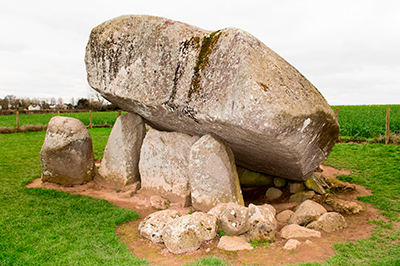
(119, 113)
(387, 126)
(58, 112)
(91, 120)
(17, 120)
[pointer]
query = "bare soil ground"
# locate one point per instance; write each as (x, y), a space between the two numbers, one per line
(273, 254)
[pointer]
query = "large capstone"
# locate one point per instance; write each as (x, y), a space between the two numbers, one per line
(227, 83)
(67, 152)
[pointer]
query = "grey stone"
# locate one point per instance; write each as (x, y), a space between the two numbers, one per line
(344, 206)
(158, 202)
(295, 187)
(284, 216)
(164, 165)
(316, 183)
(182, 234)
(249, 178)
(182, 78)
(262, 223)
(330, 221)
(296, 231)
(208, 223)
(302, 196)
(306, 211)
(273, 193)
(291, 244)
(279, 182)
(153, 225)
(233, 243)
(67, 152)
(234, 219)
(119, 168)
(213, 178)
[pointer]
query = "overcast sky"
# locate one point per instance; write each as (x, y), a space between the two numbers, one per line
(349, 49)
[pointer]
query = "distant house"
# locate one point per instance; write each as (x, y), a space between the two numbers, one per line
(33, 107)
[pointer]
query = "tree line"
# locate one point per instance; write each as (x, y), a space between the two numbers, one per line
(97, 103)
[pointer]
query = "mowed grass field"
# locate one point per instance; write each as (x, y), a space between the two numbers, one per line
(99, 118)
(48, 227)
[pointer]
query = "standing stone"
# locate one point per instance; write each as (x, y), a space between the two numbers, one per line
(182, 78)
(119, 168)
(164, 165)
(213, 176)
(306, 211)
(67, 152)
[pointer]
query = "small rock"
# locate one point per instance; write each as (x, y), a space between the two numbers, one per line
(158, 202)
(128, 194)
(306, 211)
(343, 206)
(234, 219)
(262, 223)
(308, 242)
(316, 183)
(233, 243)
(302, 196)
(296, 231)
(153, 225)
(208, 223)
(183, 234)
(273, 193)
(295, 187)
(331, 221)
(280, 182)
(284, 216)
(291, 244)
(216, 211)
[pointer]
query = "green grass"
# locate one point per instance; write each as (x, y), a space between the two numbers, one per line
(48, 227)
(362, 121)
(99, 118)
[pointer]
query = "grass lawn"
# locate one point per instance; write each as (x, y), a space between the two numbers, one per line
(47, 227)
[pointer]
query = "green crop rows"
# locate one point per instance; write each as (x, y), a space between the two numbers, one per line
(364, 120)
(356, 121)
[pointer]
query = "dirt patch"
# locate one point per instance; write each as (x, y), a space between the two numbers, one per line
(318, 250)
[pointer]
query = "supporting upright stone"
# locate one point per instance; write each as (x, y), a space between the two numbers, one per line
(67, 152)
(164, 165)
(119, 168)
(213, 176)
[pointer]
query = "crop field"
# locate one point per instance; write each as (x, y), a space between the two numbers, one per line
(362, 121)
(357, 122)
